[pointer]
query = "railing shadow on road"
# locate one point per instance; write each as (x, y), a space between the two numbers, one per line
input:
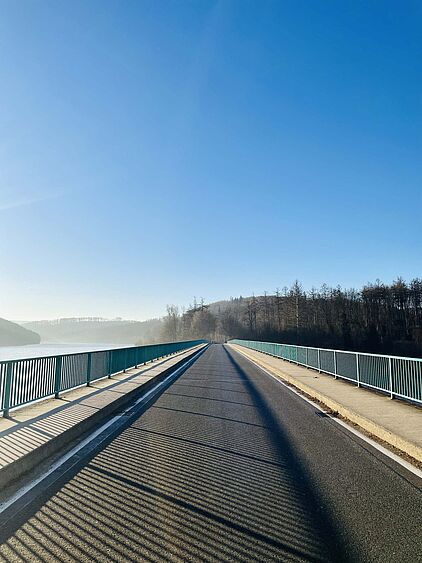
(179, 484)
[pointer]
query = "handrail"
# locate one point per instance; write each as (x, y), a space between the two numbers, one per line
(400, 377)
(99, 350)
(26, 380)
(338, 350)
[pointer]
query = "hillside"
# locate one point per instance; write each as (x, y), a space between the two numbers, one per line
(12, 334)
(377, 318)
(96, 330)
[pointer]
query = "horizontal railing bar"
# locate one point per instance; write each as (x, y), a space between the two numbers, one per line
(5, 362)
(335, 350)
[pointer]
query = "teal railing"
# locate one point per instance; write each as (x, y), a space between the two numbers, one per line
(27, 380)
(397, 376)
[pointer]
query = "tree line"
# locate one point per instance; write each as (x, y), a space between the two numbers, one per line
(379, 318)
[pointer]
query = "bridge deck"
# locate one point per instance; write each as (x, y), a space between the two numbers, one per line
(226, 465)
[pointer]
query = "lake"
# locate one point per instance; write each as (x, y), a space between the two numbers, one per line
(52, 349)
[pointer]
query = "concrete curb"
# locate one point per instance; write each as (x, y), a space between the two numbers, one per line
(366, 424)
(17, 468)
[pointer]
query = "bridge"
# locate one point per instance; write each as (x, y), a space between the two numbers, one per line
(209, 452)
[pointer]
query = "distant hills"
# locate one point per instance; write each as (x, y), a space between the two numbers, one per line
(12, 334)
(377, 318)
(98, 330)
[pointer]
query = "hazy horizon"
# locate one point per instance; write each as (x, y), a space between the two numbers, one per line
(153, 152)
(185, 306)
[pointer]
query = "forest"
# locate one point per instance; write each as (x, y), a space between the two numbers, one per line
(378, 318)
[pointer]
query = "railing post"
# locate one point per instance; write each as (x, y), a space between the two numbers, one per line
(390, 376)
(319, 360)
(7, 389)
(307, 361)
(58, 377)
(335, 364)
(88, 370)
(110, 354)
(357, 370)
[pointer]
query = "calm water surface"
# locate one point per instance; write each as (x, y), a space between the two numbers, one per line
(37, 350)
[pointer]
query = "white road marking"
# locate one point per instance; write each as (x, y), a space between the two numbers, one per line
(350, 428)
(56, 465)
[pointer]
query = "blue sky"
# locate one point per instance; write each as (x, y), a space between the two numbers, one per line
(152, 151)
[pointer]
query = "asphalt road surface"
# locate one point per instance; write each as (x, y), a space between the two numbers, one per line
(225, 465)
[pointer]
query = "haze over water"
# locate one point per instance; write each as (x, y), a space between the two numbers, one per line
(52, 349)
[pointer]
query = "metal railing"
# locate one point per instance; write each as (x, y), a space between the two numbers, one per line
(397, 376)
(24, 381)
